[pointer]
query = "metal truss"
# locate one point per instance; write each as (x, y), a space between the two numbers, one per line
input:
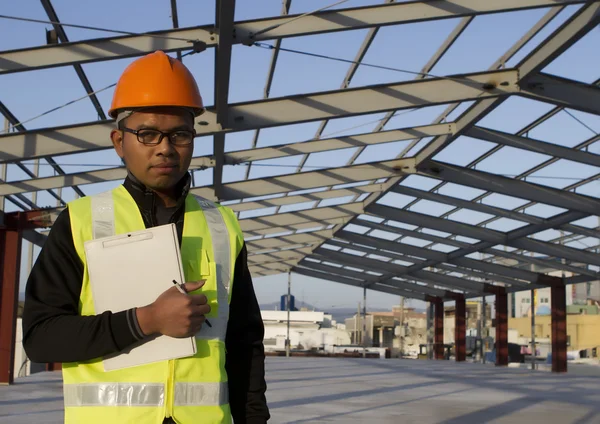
(402, 225)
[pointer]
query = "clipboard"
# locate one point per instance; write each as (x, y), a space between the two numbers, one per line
(132, 270)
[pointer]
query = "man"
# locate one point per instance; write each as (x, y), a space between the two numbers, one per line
(155, 104)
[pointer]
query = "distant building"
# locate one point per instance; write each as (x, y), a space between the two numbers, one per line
(308, 331)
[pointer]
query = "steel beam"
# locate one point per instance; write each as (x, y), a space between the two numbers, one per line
(62, 36)
(291, 240)
(466, 204)
(502, 328)
(224, 26)
(397, 270)
(516, 238)
(175, 19)
(236, 157)
(562, 92)
(559, 328)
(492, 210)
(321, 22)
(268, 113)
(575, 28)
(356, 283)
(533, 145)
(440, 257)
(309, 180)
(285, 10)
(439, 329)
(293, 219)
(510, 187)
(10, 265)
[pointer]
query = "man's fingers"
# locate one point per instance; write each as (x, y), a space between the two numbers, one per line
(198, 299)
(194, 285)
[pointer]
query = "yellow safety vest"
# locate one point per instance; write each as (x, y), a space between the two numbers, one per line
(191, 390)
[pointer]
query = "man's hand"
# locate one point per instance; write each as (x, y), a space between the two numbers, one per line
(175, 314)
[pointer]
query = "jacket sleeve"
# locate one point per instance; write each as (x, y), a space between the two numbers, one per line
(245, 362)
(53, 330)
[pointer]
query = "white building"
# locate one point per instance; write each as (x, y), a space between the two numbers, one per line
(308, 330)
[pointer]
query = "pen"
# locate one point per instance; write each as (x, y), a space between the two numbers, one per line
(181, 288)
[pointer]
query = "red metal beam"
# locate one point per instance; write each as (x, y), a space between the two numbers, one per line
(29, 220)
(10, 264)
(501, 328)
(460, 330)
(558, 299)
(439, 329)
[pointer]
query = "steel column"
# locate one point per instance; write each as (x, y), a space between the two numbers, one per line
(460, 331)
(501, 328)
(439, 329)
(10, 265)
(558, 299)
(430, 330)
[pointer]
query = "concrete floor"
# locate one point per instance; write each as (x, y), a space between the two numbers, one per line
(312, 390)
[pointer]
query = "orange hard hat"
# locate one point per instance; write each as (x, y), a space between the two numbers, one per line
(156, 80)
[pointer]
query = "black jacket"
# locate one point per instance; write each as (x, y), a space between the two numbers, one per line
(53, 331)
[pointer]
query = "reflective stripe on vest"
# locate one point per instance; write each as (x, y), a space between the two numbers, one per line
(103, 215)
(221, 256)
(144, 394)
(103, 225)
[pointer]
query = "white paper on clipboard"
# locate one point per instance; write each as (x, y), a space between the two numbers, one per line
(132, 270)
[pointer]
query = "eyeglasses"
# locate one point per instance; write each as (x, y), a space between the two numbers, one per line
(155, 137)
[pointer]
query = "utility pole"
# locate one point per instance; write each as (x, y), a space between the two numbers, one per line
(365, 322)
(289, 301)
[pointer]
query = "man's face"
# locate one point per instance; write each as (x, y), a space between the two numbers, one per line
(161, 166)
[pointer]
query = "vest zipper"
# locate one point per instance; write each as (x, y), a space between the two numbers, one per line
(170, 389)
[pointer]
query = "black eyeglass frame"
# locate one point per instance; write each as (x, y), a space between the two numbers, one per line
(162, 135)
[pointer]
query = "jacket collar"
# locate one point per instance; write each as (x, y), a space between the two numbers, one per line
(146, 198)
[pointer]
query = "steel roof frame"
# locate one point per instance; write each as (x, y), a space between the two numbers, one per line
(305, 239)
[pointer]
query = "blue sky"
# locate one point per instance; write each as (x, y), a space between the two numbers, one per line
(406, 47)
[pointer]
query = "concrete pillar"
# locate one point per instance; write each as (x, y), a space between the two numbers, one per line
(10, 265)
(501, 327)
(460, 330)
(559, 328)
(439, 329)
